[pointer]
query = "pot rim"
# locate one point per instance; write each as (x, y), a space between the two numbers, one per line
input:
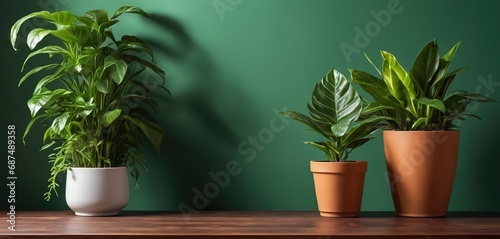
(396, 130)
(360, 166)
(102, 168)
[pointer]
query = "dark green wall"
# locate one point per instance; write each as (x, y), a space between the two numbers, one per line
(232, 63)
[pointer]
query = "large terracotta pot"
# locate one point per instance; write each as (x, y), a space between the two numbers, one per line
(97, 191)
(421, 168)
(339, 187)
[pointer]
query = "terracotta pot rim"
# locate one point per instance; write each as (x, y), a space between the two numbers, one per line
(339, 167)
(396, 130)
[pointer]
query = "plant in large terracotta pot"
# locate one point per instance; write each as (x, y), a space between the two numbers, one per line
(421, 136)
(94, 103)
(338, 113)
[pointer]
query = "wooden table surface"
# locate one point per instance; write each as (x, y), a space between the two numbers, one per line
(241, 224)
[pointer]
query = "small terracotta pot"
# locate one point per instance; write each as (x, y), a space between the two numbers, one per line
(421, 168)
(339, 187)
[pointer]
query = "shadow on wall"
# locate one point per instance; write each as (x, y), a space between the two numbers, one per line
(204, 123)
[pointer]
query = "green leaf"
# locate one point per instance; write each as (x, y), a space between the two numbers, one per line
(102, 86)
(152, 130)
(336, 97)
(132, 43)
(73, 33)
(109, 117)
(17, 26)
(441, 85)
(391, 74)
(63, 18)
(99, 16)
(434, 103)
(308, 121)
(340, 128)
(119, 72)
(118, 68)
(35, 36)
(419, 122)
(365, 129)
(36, 70)
(449, 55)
(373, 64)
(128, 9)
(425, 65)
(59, 123)
(330, 150)
(50, 50)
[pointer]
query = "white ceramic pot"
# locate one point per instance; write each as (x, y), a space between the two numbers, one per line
(97, 191)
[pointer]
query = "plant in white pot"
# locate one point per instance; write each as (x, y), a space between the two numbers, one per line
(421, 136)
(94, 103)
(339, 114)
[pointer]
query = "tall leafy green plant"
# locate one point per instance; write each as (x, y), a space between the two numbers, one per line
(418, 99)
(93, 100)
(339, 114)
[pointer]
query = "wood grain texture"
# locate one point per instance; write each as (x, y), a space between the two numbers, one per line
(238, 224)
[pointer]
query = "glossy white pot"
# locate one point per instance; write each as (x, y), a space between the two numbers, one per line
(97, 191)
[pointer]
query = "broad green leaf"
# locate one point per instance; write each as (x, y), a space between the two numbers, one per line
(425, 65)
(59, 123)
(128, 9)
(449, 55)
(336, 97)
(363, 130)
(374, 107)
(119, 72)
(340, 128)
(85, 20)
(35, 36)
(17, 26)
(105, 25)
(118, 68)
(37, 101)
(391, 76)
(102, 86)
(99, 16)
(440, 86)
(376, 88)
(62, 19)
(332, 152)
(325, 131)
(435, 87)
(72, 34)
(109, 117)
(434, 103)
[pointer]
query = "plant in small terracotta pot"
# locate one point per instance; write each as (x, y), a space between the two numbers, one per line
(421, 136)
(338, 113)
(95, 104)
